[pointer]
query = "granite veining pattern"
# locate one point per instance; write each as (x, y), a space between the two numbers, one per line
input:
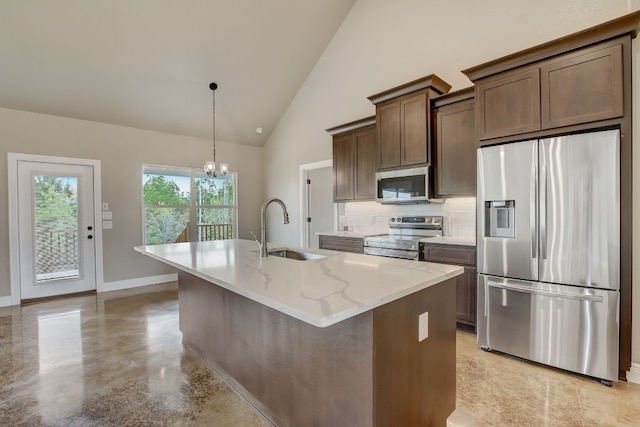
(117, 359)
(320, 291)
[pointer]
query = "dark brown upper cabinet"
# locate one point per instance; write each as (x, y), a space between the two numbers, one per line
(354, 160)
(509, 104)
(456, 144)
(576, 82)
(403, 122)
(585, 86)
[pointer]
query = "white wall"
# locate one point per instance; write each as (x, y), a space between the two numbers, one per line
(382, 44)
(122, 151)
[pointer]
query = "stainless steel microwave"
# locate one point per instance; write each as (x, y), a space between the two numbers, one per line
(403, 186)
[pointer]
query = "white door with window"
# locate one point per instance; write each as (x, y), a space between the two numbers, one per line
(56, 228)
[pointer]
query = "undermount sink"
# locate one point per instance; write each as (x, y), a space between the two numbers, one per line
(297, 255)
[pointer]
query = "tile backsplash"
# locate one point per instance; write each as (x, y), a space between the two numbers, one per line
(371, 217)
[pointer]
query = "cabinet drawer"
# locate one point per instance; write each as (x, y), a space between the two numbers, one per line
(344, 244)
(451, 254)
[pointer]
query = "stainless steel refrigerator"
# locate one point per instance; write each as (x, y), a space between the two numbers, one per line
(549, 251)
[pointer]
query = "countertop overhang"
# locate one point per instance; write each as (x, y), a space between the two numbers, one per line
(321, 291)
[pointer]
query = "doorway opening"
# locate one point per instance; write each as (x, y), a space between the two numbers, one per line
(317, 210)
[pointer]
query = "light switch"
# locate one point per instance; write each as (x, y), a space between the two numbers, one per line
(107, 215)
(105, 206)
(423, 326)
(107, 225)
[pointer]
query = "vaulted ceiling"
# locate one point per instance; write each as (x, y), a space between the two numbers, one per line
(148, 63)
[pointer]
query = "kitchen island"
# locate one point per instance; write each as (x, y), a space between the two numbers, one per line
(328, 341)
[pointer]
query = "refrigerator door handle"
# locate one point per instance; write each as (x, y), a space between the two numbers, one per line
(543, 211)
(528, 290)
(533, 208)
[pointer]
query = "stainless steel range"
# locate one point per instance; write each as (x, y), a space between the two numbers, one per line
(403, 240)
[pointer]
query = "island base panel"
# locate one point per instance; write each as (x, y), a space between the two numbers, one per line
(358, 372)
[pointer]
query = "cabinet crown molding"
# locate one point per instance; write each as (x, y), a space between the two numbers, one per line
(625, 25)
(356, 124)
(431, 81)
(453, 97)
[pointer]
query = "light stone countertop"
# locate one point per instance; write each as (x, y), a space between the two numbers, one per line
(346, 234)
(451, 240)
(442, 240)
(321, 292)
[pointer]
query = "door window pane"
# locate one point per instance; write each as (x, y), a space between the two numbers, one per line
(56, 227)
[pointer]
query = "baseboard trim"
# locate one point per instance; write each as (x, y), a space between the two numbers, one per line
(633, 375)
(138, 282)
(6, 301)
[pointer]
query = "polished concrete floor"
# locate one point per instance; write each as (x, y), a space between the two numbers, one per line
(116, 359)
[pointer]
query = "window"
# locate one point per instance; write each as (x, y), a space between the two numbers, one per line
(171, 214)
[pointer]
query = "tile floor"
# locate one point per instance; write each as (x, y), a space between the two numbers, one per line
(116, 359)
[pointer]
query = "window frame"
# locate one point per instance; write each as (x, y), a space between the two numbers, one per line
(193, 207)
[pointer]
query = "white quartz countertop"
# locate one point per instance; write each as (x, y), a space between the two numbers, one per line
(451, 240)
(346, 234)
(321, 292)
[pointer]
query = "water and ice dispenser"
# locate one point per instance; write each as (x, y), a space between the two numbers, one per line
(500, 218)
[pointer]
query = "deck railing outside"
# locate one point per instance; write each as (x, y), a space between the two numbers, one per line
(208, 232)
(57, 250)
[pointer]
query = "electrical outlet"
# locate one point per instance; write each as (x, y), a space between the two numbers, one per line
(423, 326)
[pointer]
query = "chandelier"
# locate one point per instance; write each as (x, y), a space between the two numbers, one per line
(210, 166)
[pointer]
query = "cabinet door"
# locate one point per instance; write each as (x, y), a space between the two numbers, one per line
(508, 105)
(413, 139)
(344, 244)
(583, 87)
(466, 297)
(388, 128)
(450, 254)
(456, 144)
(343, 161)
(365, 164)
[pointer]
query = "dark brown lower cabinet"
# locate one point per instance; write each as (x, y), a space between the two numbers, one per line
(464, 256)
(339, 243)
(466, 300)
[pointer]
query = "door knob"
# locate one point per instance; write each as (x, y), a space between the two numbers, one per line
(89, 237)
(89, 228)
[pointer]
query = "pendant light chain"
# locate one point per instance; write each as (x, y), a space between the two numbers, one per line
(213, 88)
(210, 167)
